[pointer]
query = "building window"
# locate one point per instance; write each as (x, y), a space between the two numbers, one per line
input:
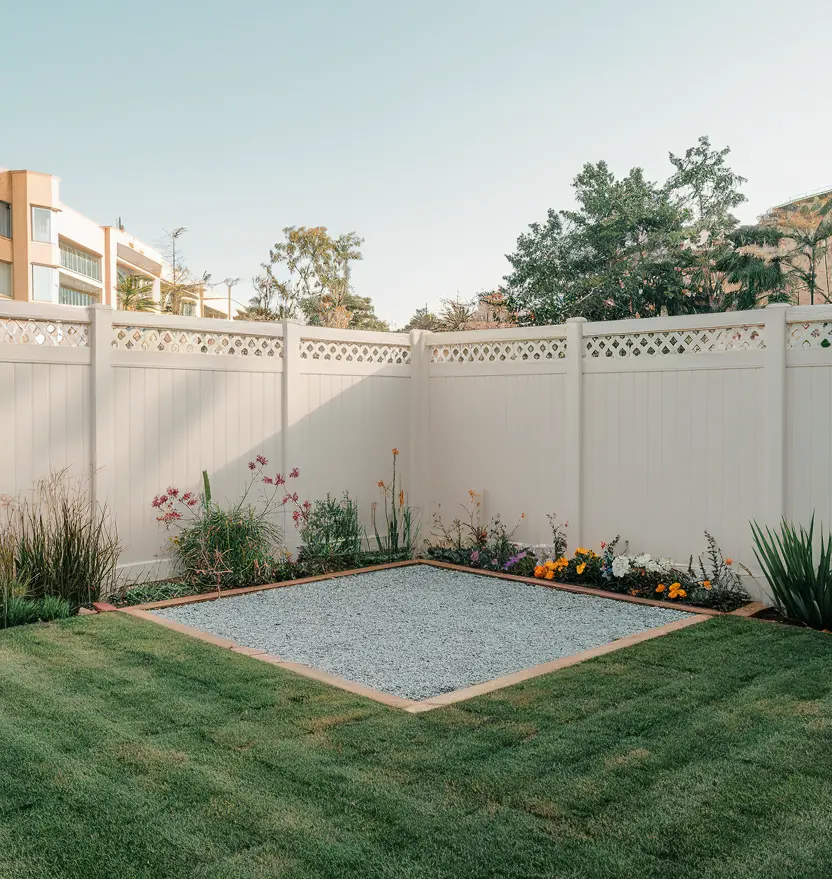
(44, 284)
(80, 261)
(5, 279)
(68, 296)
(188, 309)
(5, 219)
(44, 227)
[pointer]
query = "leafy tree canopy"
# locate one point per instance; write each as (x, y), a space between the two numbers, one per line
(631, 247)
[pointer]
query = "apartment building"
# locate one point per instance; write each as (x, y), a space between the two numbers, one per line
(51, 253)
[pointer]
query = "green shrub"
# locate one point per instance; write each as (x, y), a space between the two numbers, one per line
(17, 611)
(58, 544)
(801, 590)
(331, 534)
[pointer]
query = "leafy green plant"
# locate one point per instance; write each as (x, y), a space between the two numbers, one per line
(400, 520)
(57, 543)
(331, 533)
(801, 589)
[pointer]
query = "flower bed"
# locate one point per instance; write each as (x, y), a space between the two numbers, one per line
(709, 581)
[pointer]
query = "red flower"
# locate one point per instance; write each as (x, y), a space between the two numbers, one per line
(279, 480)
(307, 506)
(262, 461)
(252, 465)
(295, 497)
(268, 480)
(192, 502)
(294, 473)
(173, 492)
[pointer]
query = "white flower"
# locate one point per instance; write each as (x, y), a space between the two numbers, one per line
(621, 566)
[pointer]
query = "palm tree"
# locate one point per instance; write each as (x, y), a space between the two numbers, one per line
(135, 294)
(806, 232)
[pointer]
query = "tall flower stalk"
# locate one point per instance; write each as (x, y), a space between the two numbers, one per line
(400, 520)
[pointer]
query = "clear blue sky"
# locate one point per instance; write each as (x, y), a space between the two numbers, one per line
(436, 130)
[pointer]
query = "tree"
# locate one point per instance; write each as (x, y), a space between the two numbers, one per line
(632, 247)
(182, 287)
(805, 231)
(271, 301)
(423, 319)
(708, 191)
(134, 293)
(317, 272)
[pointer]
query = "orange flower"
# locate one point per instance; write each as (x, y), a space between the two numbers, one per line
(395, 452)
(682, 594)
(522, 515)
(550, 575)
(401, 498)
(539, 571)
(661, 587)
(729, 561)
(381, 484)
(706, 584)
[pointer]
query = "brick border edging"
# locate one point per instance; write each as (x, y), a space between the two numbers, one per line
(548, 584)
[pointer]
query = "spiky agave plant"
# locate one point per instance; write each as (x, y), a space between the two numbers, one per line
(801, 589)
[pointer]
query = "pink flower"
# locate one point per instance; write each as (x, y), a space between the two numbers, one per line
(295, 497)
(285, 499)
(262, 461)
(294, 473)
(279, 480)
(192, 502)
(252, 465)
(173, 492)
(475, 556)
(268, 480)
(307, 506)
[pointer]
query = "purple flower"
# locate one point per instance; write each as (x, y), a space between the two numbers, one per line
(475, 556)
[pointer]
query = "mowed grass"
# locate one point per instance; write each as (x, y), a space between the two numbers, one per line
(127, 750)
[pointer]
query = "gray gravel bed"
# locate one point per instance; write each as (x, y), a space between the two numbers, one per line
(420, 631)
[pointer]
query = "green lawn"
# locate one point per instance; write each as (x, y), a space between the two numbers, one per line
(129, 750)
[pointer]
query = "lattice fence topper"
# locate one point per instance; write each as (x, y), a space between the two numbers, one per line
(667, 342)
(815, 334)
(354, 352)
(129, 338)
(511, 351)
(50, 333)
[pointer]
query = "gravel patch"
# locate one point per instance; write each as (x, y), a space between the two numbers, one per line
(419, 631)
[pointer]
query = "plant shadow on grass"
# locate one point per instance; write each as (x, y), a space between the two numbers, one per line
(130, 751)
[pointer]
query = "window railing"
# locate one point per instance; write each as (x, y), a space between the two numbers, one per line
(78, 261)
(68, 296)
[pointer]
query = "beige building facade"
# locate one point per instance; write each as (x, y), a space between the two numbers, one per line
(51, 253)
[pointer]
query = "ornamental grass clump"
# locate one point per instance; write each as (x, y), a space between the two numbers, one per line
(58, 544)
(217, 547)
(801, 588)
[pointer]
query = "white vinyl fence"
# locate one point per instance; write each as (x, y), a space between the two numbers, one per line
(656, 429)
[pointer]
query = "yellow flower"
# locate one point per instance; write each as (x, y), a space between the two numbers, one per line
(551, 565)
(581, 567)
(581, 551)
(661, 587)
(706, 584)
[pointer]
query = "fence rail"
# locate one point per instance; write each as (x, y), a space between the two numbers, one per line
(658, 429)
